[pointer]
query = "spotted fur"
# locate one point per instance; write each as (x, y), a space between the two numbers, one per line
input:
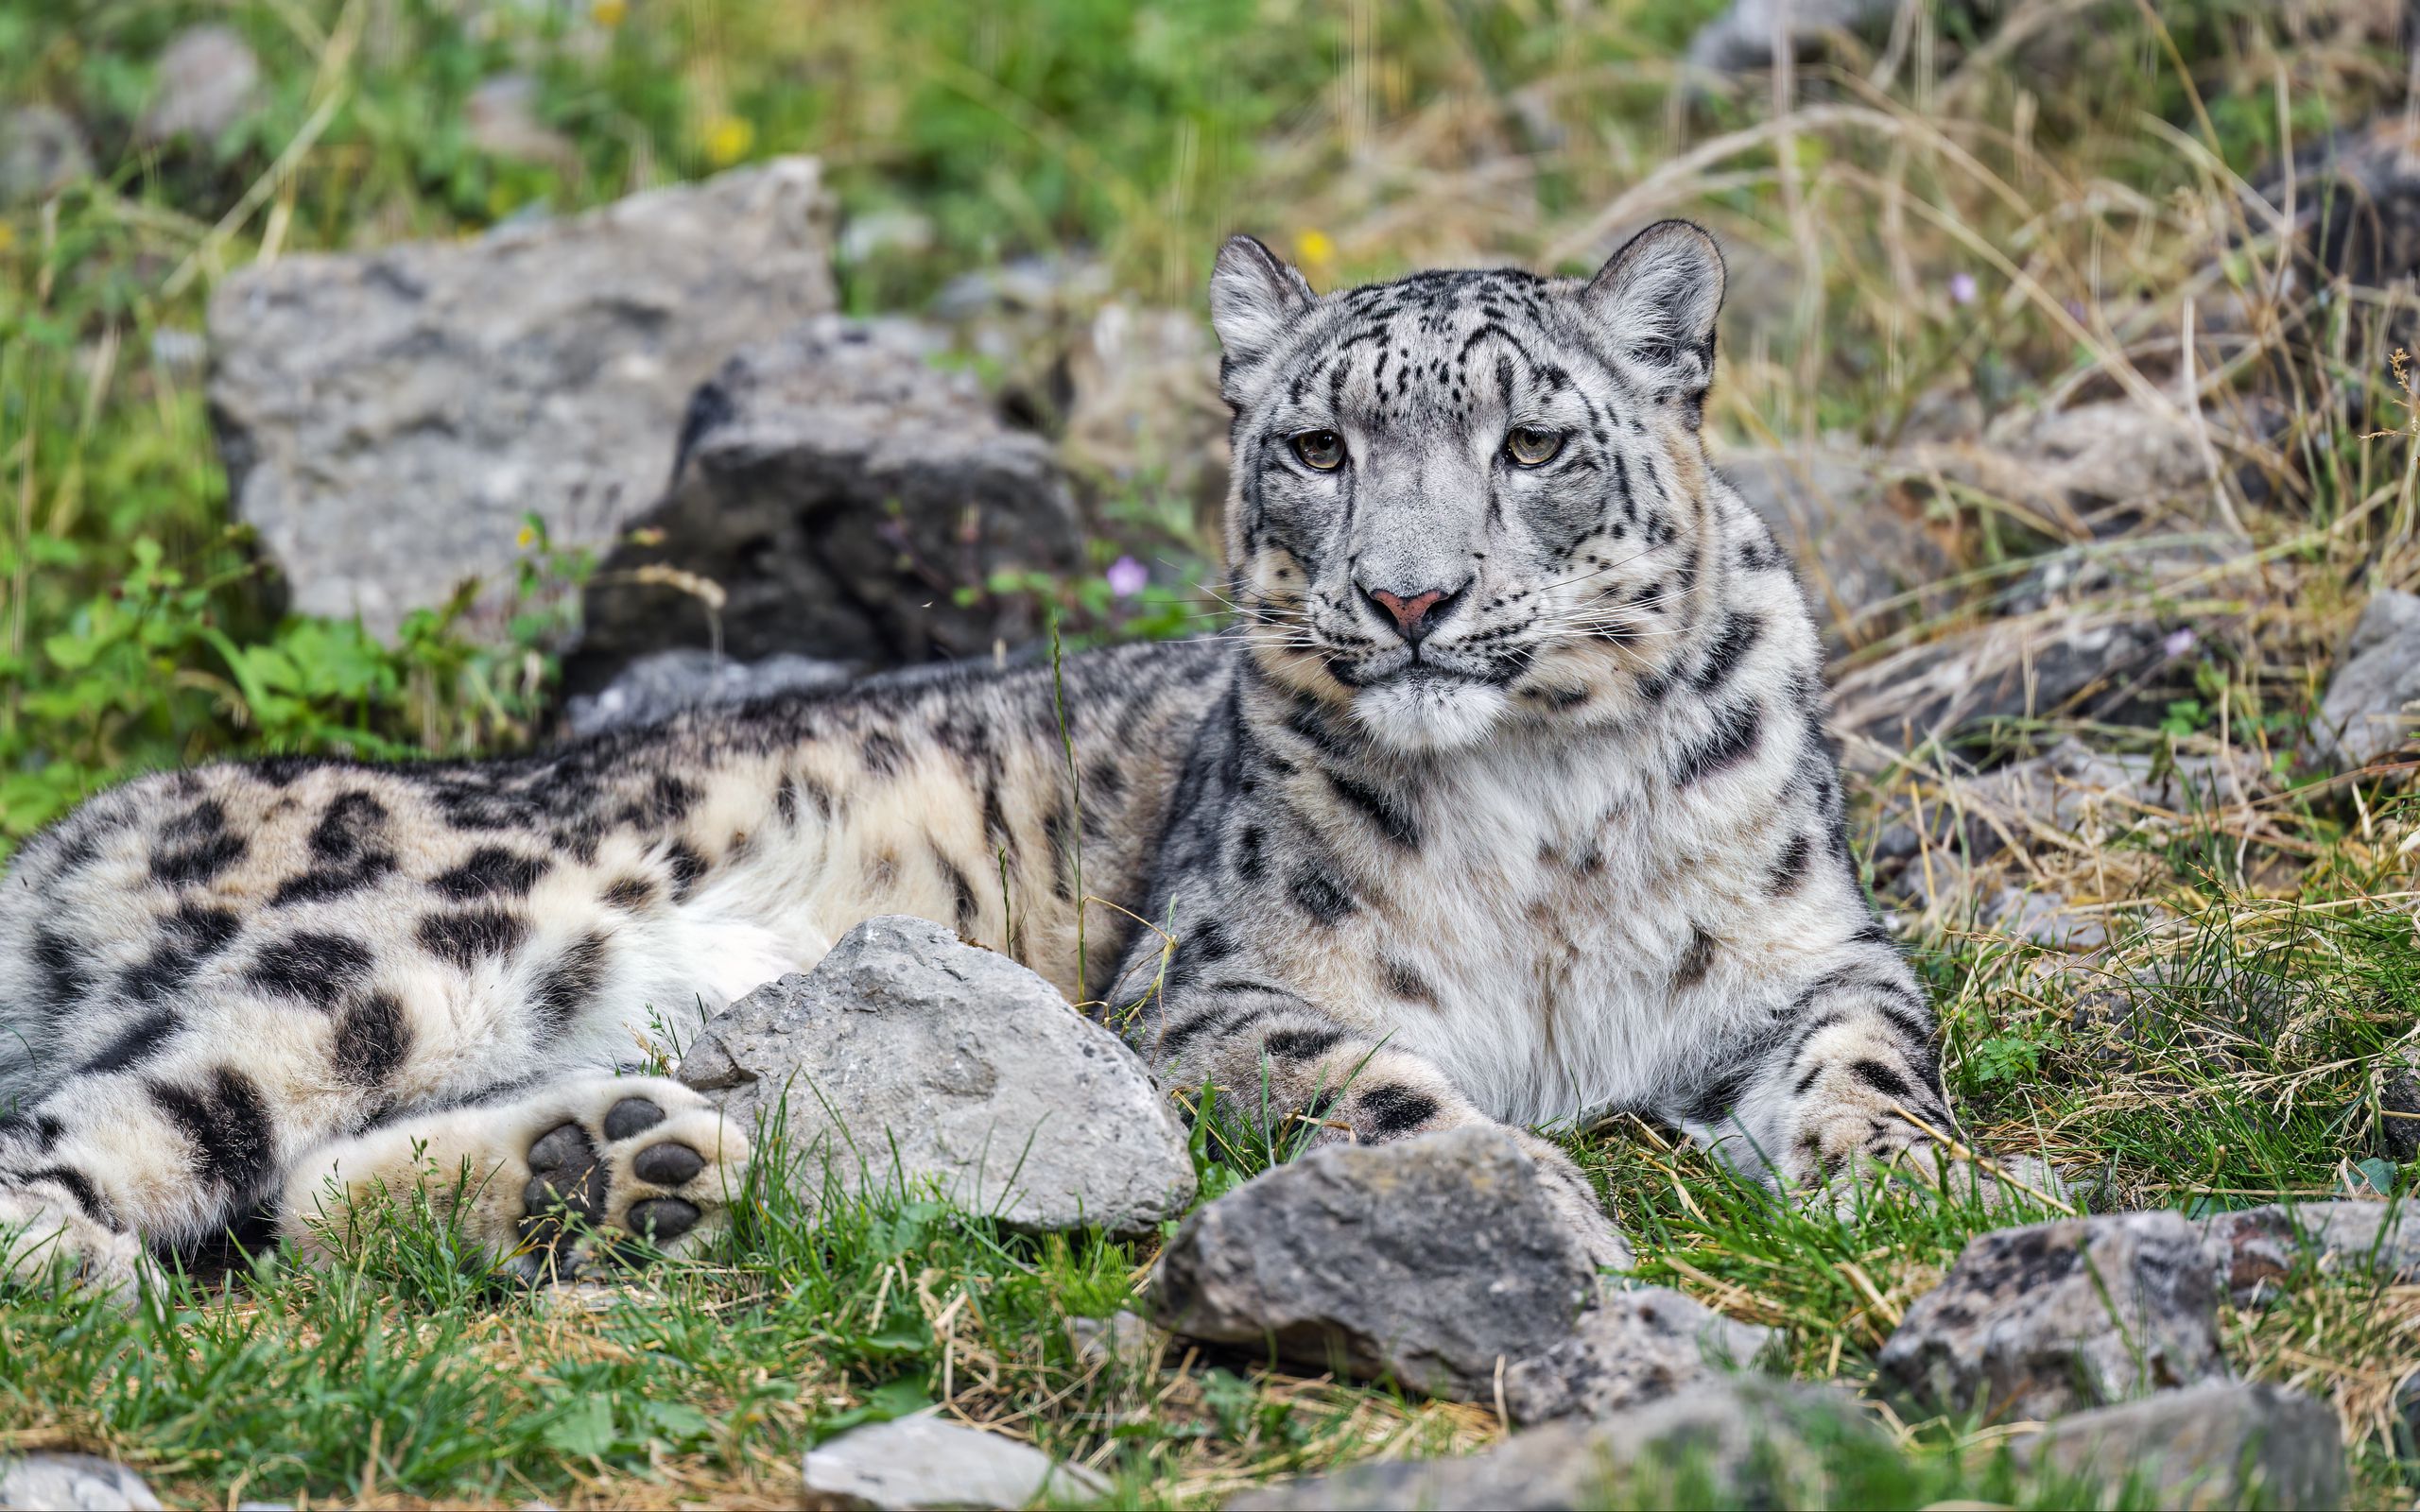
(1509, 800)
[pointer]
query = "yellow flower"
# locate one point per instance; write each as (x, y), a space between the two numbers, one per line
(528, 538)
(609, 14)
(7, 235)
(1314, 248)
(728, 141)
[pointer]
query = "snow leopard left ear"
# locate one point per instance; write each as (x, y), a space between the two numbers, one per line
(1657, 298)
(1254, 300)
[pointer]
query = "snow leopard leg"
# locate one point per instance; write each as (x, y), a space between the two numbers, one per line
(1285, 1067)
(1842, 1072)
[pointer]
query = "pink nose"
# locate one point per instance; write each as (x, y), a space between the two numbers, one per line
(1408, 612)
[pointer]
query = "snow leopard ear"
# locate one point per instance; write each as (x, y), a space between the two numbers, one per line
(1255, 300)
(1657, 298)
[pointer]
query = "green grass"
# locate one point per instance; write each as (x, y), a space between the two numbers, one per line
(2234, 1045)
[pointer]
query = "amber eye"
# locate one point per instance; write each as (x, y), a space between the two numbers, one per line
(1531, 447)
(1322, 451)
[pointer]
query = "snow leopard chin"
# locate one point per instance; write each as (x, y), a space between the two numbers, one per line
(1430, 713)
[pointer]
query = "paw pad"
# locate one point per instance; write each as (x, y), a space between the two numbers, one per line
(667, 1164)
(662, 1220)
(631, 1115)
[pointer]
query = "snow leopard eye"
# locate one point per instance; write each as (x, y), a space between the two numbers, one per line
(1320, 451)
(1531, 447)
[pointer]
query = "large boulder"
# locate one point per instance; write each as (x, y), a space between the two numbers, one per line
(845, 499)
(388, 418)
(1436, 1262)
(2372, 706)
(908, 1059)
(2215, 1444)
(1741, 1443)
(2082, 1312)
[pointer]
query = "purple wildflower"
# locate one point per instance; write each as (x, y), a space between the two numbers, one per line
(1961, 289)
(2180, 641)
(1128, 576)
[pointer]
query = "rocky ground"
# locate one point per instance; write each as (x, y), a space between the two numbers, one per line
(2096, 442)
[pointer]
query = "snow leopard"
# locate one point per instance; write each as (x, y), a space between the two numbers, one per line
(1505, 798)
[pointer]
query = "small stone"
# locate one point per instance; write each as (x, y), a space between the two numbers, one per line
(501, 118)
(2373, 702)
(2215, 1444)
(1741, 39)
(2049, 1318)
(207, 81)
(73, 1483)
(1432, 1260)
(908, 1056)
(2256, 1250)
(1121, 1337)
(42, 151)
(1634, 1347)
(1751, 1442)
(182, 354)
(913, 1463)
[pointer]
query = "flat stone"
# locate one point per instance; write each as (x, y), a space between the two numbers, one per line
(1752, 1443)
(907, 1056)
(2256, 1250)
(1634, 1348)
(2053, 1318)
(844, 495)
(2372, 706)
(388, 418)
(655, 687)
(1434, 1262)
(1122, 1337)
(914, 1463)
(2221, 1444)
(73, 1483)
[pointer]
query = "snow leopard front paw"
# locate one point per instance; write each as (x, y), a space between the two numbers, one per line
(624, 1160)
(1574, 1200)
(1988, 1184)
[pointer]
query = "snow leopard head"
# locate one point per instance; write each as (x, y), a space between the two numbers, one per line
(1465, 498)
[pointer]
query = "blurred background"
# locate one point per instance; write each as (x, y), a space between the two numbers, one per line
(1968, 241)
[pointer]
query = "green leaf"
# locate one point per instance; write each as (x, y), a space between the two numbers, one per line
(584, 1427)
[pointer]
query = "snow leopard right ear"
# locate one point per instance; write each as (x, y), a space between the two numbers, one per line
(1255, 300)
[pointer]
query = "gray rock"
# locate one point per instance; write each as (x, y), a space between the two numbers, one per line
(1434, 1261)
(183, 355)
(42, 151)
(908, 1056)
(656, 687)
(1121, 1337)
(921, 1462)
(2218, 1445)
(388, 417)
(2035, 1321)
(1741, 37)
(73, 1483)
(2256, 1250)
(842, 492)
(1748, 1442)
(501, 117)
(2372, 706)
(207, 81)
(1634, 1347)
(2034, 667)
(1858, 543)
